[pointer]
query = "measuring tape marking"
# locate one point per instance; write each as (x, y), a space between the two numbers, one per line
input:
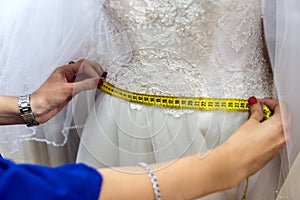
(197, 103)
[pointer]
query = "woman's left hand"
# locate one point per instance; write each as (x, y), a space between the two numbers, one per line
(65, 82)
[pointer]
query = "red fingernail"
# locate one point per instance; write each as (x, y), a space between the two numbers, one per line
(252, 100)
(104, 74)
(99, 83)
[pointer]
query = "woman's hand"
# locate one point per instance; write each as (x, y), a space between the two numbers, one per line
(61, 86)
(256, 142)
(249, 149)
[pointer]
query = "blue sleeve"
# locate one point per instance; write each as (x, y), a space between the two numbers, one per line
(67, 182)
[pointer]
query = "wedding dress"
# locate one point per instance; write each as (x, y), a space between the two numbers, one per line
(208, 48)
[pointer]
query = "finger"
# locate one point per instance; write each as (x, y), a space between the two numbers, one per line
(83, 69)
(286, 118)
(89, 71)
(75, 67)
(256, 111)
(287, 122)
(275, 106)
(93, 65)
(86, 84)
(283, 108)
(70, 71)
(271, 103)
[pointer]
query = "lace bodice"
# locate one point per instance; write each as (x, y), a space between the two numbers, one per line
(188, 47)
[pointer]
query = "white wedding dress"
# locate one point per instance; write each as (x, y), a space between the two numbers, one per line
(183, 47)
(207, 48)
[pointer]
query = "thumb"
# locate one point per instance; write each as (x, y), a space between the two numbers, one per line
(256, 111)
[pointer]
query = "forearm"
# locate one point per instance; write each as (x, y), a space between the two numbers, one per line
(192, 177)
(9, 111)
(199, 175)
(187, 178)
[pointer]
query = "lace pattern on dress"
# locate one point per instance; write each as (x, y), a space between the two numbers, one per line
(187, 47)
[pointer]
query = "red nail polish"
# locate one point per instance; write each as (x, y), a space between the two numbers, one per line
(252, 100)
(104, 74)
(100, 82)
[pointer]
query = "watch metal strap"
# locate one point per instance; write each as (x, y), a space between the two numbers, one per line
(26, 112)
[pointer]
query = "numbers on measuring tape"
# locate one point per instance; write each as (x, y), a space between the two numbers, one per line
(197, 103)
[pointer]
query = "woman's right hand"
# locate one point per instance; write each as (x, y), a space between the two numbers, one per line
(256, 142)
(244, 153)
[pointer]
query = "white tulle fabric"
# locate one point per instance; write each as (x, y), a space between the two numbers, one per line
(286, 73)
(35, 37)
(180, 48)
(183, 47)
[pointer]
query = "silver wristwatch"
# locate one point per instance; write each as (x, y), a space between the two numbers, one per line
(26, 112)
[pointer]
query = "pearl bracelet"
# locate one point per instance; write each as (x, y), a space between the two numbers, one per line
(153, 179)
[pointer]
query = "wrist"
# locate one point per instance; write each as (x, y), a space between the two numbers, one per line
(236, 167)
(26, 111)
(36, 105)
(41, 107)
(206, 173)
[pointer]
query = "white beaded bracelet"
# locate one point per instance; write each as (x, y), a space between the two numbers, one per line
(153, 179)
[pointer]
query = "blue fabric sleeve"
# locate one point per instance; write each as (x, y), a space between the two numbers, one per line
(67, 182)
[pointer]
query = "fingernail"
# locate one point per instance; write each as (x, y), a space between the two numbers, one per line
(252, 100)
(99, 82)
(104, 74)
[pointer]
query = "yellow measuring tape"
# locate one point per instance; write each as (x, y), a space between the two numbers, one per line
(196, 103)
